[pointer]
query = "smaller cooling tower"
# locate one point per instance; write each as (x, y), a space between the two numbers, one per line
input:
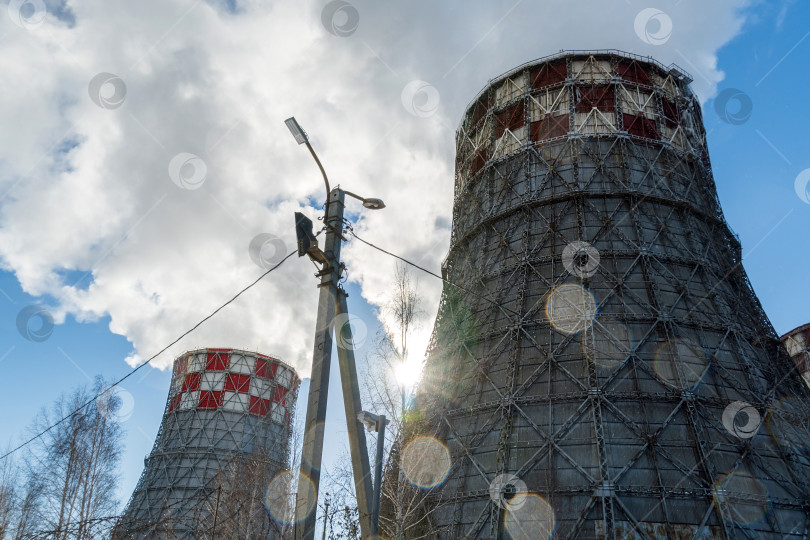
(224, 435)
(797, 342)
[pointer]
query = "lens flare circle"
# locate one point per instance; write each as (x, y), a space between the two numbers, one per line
(681, 363)
(570, 308)
(607, 343)
(787, 420)
(529, 517)
(280, 500)
(744, 497)
(425, 462)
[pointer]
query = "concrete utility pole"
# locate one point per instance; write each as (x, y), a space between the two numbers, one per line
(332, 302)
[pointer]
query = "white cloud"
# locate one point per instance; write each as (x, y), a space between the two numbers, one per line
(87, 189)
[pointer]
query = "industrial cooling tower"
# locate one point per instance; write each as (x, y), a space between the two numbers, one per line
(797, 342)
(600, 366)
(224, 436)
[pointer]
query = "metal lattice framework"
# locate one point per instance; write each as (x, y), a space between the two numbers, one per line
(225, 433)
(797, 343)
(604, 337)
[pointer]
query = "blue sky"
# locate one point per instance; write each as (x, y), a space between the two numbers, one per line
(755, 164)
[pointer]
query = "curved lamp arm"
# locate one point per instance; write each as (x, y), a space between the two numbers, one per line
(301, 137)
(323, 172)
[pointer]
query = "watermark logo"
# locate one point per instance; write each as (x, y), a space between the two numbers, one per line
(580, 259)
(505, 487)
(116, 404)
(741, 419)
(733, 106)
(653, 26)
(35, 323)
(420, 98)
(27, 14)
(107, 90)
(187, 170)
(267, 250)
(802, 186)
(350, 331)
(340, 18)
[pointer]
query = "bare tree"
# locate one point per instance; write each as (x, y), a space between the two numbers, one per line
(8, 495)
(25, 521)
(258, 491)
(71, 470)
(403, 509)
(340, 515)
(389, 395)
(240, 509)
(404, 309)
(384, 392)
(348, 523)
(296, 442)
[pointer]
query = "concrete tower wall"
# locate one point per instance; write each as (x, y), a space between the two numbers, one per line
(225, 433)
(604, 349)
(797, 343)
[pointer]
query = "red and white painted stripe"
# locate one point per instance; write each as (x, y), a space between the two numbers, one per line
(233, 380)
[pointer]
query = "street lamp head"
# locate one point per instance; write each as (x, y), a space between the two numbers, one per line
(297, 131)
(370, 420)
(373, 204)
(370, 203)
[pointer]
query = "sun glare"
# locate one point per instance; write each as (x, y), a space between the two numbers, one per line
(407, 373)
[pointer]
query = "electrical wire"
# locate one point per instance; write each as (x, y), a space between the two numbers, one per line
(434, 274)
(164, 349)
